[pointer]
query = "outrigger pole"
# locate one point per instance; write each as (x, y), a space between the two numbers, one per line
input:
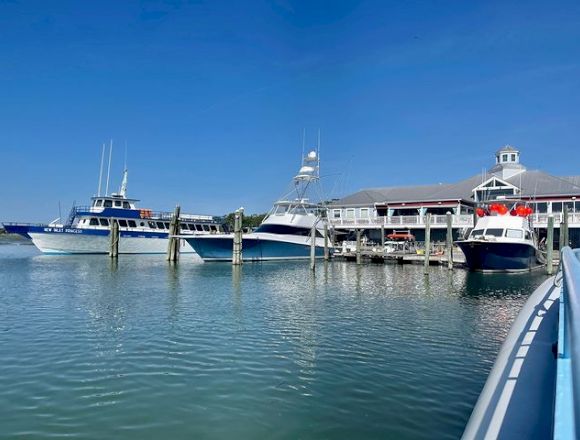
(101, 170)
(109, 168)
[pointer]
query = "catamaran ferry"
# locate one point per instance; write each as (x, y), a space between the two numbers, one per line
(86, 231)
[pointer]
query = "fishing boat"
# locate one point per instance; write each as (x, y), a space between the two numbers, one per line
(285, 233)
(87, 228)
(502, 240)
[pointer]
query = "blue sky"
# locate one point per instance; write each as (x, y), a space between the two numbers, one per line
(212, 96)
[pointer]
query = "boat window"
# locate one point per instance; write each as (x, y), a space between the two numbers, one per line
(198, 228)
(213, 228)
(99, 203)
(118, 203)
(205, 227)
(152, 225)
(281, 209)
(94, 222)
(142, 224)
(126, 205)
(183, 227)
(132, 224)
(123, 223)
(477, 232)
(191, 226)
(528, 235)
(286, 230)
(514, 233)
(166, 225)
(108, 204)
(495, 232)
(160, 225)
(104, 222)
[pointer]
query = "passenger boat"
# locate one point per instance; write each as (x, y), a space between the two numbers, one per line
(502, 240)
(285, 233)
(86, 231)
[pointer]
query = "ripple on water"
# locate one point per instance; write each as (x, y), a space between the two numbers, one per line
(140, 348)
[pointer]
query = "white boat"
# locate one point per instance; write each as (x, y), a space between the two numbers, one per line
(141, 231)
(285, 233)
(502, 240)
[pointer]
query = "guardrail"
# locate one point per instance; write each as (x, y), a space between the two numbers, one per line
(567, 407)
(402, 221)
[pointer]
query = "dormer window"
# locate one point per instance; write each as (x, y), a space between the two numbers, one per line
(504, 157)
(513, 157)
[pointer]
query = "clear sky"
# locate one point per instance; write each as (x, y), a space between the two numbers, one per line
(212, 96)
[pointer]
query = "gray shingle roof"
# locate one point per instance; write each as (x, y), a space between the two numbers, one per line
(532, 183)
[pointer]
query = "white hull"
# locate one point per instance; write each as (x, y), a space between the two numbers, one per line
(99, 244)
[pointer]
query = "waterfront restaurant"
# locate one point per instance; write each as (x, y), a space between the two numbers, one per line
(405, 208)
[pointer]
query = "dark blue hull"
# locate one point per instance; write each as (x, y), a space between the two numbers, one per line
(253, 249)
(484, 255)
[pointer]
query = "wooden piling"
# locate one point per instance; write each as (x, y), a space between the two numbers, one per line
(382, 238)
(313, 247)
(326, 250)
(174, 229)
(427, 243)
(358, 247)
(114, 238)
(550, 246)
(449, 242)
(237, 258)
(565, 230)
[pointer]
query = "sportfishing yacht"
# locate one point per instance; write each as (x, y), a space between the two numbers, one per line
(285, 233)
(86, 231)
(502, 240)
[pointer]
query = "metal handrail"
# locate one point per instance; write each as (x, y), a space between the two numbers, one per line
(567, 407)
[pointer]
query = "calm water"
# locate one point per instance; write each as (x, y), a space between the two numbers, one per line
(141, 349)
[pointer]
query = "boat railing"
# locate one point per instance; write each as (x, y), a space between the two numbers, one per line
(146, 214)
(566, 411)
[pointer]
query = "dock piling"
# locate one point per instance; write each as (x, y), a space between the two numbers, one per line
(382, 238)
(358, 247)
(173, 245)
(449, 242)
(550, 246)
(114, 236)
(326, 250)
(313, 247)
(237, 258)
(427, 243)
(564, 234)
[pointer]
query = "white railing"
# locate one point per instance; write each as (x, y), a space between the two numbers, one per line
(403, 221)
(539, 220)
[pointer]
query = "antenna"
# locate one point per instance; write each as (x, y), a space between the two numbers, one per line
(109, 168)
(125, 164)
(303, 144)
(101, 169)
(318, 154)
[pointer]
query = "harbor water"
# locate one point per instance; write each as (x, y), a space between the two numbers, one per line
(139, 348)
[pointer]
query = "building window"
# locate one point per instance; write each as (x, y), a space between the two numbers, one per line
(350, 213)
(364, 213)
(336, 213)
(570, 206)
(556, 206)
(541, 207)
(504, 157)
(513, 157)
